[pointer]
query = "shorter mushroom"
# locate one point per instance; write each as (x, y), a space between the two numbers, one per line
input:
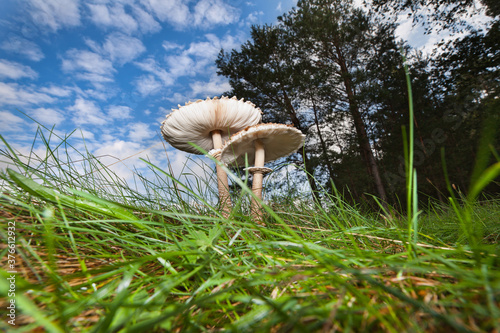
(207, 123)
(261, 143)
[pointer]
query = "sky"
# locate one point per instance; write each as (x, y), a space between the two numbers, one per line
(112, 70)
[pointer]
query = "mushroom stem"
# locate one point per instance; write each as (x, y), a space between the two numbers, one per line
(222, 183)
(258, 176)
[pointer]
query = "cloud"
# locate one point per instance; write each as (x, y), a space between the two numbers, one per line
(10, 122)
(205, 14)
(253, 18)
(54, 14)
(88, 65)
(182, 65)
(119, 112)
(56, 91)
(113, 16)
(167, 45)
(199, 55)
(14, 70)
(147, 85)
(198, 58)
(47, 116)
(212, 12)
(146, 21)
(151, 66)
(13, 94)
(102, 92)
(176, 98)
(119, 48)
(118, 149)
(112, 151)
(139, 132)
(83, 134)
(176, 12)
(215, 86)
(23, 47)
(86, 112)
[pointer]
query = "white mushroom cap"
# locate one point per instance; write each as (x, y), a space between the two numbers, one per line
(279, 140)
(194, 122)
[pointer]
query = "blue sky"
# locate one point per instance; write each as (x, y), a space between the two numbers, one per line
(114, 69)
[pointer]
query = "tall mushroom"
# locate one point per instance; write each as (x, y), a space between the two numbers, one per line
(207, 123)
(261, 143)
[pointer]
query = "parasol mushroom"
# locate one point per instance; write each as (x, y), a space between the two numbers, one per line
(207, 123)
(261, 143)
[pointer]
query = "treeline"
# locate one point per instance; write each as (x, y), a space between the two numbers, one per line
(336, 72)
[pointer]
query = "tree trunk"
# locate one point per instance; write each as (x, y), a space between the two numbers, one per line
(322, 142)
(364, 142)
(307, 165)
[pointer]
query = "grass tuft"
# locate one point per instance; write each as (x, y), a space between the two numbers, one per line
(96, 255)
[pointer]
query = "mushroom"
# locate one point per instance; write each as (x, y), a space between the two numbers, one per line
(207, 123)
(261, 143)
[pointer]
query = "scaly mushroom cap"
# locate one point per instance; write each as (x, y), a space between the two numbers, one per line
(194, 122)
(279, 140)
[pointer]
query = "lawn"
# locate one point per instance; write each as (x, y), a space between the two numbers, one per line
(93, 254)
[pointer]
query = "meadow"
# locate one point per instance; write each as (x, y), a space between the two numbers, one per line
(93, 254)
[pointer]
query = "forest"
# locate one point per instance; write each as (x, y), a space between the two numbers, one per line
(337, 73)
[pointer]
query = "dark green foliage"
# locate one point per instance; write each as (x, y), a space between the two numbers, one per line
(337, 74)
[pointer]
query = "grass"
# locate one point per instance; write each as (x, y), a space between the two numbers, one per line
(94, 254)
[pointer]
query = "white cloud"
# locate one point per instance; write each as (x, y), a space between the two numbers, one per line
(176, 12)
(211, 12)
(147, 85)
(96, 79)
(253, 18)
(139, 132)
(181, 65)
(167, 45)
(56, 91)
(86, 112)
(118, 149)
(88, 65)
(47, 116)
(112, 16)
(102, 92)
(84, 134)
(215, 86)
(86, 61)
(14, 70)
(206, 49)
(151, 66)
(112, 151)
(205, 14)
(176, 98)
(55, 14)
(199, 55)
(10, 122)
(119, 48)
(119, 112)
(146, 21)
(23, 47)
(13, 94)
